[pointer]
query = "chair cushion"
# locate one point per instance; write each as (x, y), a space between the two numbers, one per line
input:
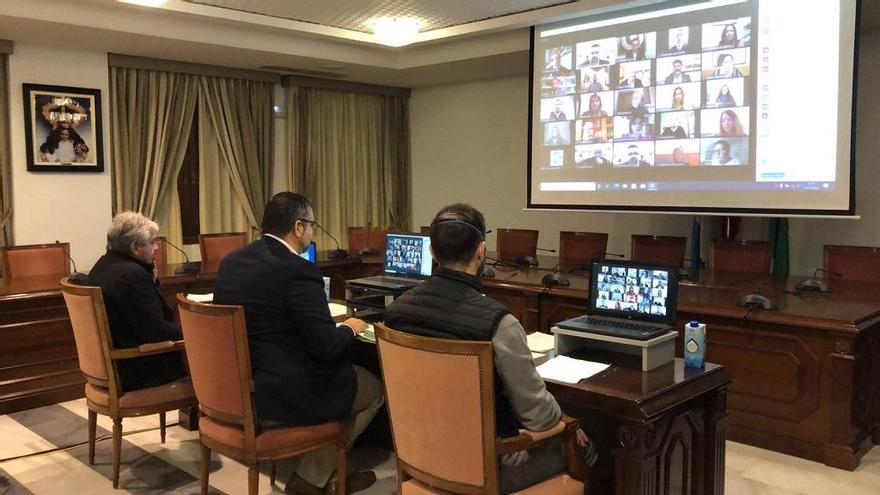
(561, 484)
(177, 390)
(275, 438)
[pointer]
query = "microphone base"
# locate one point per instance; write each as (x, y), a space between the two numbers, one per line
(77, 278)
(337, 254)
(757, 301)
(188, 267)
(526, 261)
(812, 285)
(368, 252)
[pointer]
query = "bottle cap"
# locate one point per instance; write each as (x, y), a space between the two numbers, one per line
(694, 323)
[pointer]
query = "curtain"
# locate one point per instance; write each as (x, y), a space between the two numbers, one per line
(240, 115)
(349, 154)
(5, 158)
(779, 243)
(219, 207)
(151, 116)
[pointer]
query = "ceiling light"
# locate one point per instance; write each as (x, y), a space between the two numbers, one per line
(145, 3)
(396, 31)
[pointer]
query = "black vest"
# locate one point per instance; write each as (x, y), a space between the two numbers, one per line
(450, 305)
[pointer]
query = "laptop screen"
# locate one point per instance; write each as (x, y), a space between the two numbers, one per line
(408, 255)
(311, 254)
(634, 290)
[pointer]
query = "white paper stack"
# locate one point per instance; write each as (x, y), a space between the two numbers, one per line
(336, 309)
(569, 370)
(540, 342)
(201, 298)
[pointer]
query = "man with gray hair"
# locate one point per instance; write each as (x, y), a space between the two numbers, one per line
(136, 310)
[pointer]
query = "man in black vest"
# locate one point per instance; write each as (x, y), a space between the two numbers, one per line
(303, 373)
(450, 305)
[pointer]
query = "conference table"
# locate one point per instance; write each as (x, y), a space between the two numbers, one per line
(805, 376)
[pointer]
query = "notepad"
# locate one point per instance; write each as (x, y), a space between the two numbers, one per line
(541, 342)
(201, 298)
(569, 370)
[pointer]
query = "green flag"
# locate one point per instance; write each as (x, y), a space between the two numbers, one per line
(779, 242)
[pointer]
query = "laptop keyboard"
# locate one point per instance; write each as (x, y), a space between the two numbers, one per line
(394, 280)
(628, 325)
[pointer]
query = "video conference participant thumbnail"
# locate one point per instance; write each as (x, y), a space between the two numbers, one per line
(724, 122)
(678, 153)
(725, 151)
(557, 109)
(593, 155)
(634, 154)
(685, 96)
(677, 125)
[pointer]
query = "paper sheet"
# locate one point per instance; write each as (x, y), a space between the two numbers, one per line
(540, 342)
(336, 309)
(566, 369)
(201, 298)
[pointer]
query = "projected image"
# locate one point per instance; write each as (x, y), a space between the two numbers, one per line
(634, 74)
(593, 155)
(634, 127)
(677, 70)
(629, 289)
(557, 158)
(636, 47)
(635, 102)
(634, 155)
(599, 130)
(722, 93)
(726, 64)
(595, 105)
(678, 153)
(729, 122)
(555, 109)
(596, 53)
(676, 41)
(679, 96)
(725, 151)
(557, 85)
(595, 79)
(558, 60)
(730, 33)
(677, 125)
(557, 133)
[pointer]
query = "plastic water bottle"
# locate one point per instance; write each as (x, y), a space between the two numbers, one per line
(694, 344)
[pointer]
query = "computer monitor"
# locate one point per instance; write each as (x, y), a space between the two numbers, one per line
(624, 289)
(311, 253)
(408, 255)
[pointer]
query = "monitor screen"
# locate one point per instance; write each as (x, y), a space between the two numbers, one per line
(715, 106)
(311, 253)
(627, 289)
(408, 254)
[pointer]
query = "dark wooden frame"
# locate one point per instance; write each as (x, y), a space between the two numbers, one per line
(248, 421)
(513, 250)
(642, 243)
(854, 254)
(202, 238)
(570, 241)
(6, 270)
(31, 114)
(747, 247)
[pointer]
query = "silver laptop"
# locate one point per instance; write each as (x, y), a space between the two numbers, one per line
(407, 262)
(629, 300)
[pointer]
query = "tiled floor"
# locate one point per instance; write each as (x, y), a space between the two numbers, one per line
(151, 467)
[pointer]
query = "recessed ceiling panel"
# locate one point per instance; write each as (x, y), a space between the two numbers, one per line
(356, 15)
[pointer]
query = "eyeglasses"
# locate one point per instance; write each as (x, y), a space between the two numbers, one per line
(313, 222)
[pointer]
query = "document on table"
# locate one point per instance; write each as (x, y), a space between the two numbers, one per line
(336, 309)
(569, 370)
(201, 298)
(541, 342)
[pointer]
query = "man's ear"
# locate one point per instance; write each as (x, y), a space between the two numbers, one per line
(481, 250)
(433, 256)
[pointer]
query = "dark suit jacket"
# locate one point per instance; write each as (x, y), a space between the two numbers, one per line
(300, 359)
(685, 78)
(137, 314)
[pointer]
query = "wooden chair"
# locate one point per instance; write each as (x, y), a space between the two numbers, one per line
(853, 262)
(740, 256)
(215, 247)
(659, 249)
(579, 249)
(97, 360)
(160, 259)
(372, 239)
(510, 244)
(220, 366)
(35, 259)
(441, 405)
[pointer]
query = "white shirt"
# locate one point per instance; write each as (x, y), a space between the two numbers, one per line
(282, 241)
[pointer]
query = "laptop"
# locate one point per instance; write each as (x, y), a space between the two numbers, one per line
(629, 300)
(407, 262)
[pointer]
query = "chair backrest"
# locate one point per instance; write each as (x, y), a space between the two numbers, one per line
(510, 244)
(35, 260)
(91, 331)
(740, 256)
(219, 361)
(215, 247)
(425, 229)
(360, 238)
(659, 249)
(578, 249)
(442, 409)
(853, 262)
(160, 259)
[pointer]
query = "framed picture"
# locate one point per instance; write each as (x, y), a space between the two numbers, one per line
(63, 129)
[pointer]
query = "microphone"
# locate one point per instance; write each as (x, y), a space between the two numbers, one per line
(336, 253)
(76, 277)
(546, 250)
(188, 266)
(555, 278)
(756, 300)
(814, 284)
(526, 260)
(616, 255)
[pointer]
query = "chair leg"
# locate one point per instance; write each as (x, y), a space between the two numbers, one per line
(272, 473)
(253, 479)
(162, 426)
(117, 449)
(341, 466)
(93, 425)
(205, 468)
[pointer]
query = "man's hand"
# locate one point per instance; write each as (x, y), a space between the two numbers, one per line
(581, 438)
(356, 324)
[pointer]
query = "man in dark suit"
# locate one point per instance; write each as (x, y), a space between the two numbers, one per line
(597, 160)
(136, 311)
(303, 374)
(677, 76)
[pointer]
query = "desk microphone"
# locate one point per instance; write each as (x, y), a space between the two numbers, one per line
(526, 260)
(188, 266)
(337, 253)
(76, 277)
(814, 284)
(555, 278)
(616, 255)
(545, 250)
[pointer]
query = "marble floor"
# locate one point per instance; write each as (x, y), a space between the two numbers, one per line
(34, 460)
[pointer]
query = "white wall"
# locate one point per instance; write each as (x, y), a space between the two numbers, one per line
(469, 144)
(49, 206)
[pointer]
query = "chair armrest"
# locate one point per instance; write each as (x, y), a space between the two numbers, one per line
(147, 349)
(574, 455)
(527, 439)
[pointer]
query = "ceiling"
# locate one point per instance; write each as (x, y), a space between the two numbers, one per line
(355, 15)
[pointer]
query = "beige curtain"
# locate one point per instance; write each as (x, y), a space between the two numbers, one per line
(349, 154)
(219, 207)
(151, 116)
(240, 115)
(5, 158)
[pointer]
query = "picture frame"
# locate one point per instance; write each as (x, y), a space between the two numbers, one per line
(63, 129)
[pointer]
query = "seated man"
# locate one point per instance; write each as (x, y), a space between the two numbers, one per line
(450, 305)
(136, 310)
(300, 358)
